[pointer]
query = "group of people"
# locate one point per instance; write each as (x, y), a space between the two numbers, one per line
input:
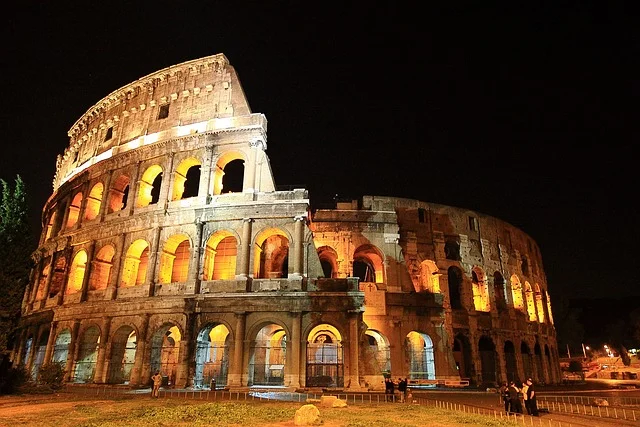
(390, 386)
(515, 398)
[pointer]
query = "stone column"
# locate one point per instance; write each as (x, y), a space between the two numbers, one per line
(196, 255)
(250, 185)
(354, 351)
(186, 354)
(141, 344)
(294, 355)
(103, 347)
(245, 250)
(51, 342)
(87, 271)
(110, 292)
(234, 378)
(153, 263)
(298, 253)
(72, 353)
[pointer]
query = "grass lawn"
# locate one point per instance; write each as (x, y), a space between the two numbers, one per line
(66, 410)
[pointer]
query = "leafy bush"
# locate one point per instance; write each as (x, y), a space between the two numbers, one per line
(52, 375)
(13, 379)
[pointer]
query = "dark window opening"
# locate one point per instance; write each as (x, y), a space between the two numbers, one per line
(109, 134)
(364, 271)
(525, 266)
(163, 112)
(422, 215)
(233, 177)
(192, 183)
(327, 268)
(452, 250)
(473, 223)
(454, 277)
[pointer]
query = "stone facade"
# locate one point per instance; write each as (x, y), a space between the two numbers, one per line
(167, 246)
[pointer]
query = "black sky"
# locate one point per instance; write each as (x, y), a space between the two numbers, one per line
(527, 112)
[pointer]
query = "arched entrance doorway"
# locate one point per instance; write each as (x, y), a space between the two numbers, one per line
(165, 352)
(325, 366)
(462, 357)
(212, 356)
(268, 356)
(487, 351)
(511, 361)
(61, 347)
(85, 366)
(38, 358)
(123, 354)
(380, 352)
(419, 354)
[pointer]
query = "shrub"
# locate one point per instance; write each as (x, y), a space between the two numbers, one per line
(52, 375)
(13, 379)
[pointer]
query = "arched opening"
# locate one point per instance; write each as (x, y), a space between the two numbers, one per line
(462, 357)
(74, 210)
(220, 257)
(549, 306)
(325, 366)
(539, 303)
(525, 354)
(419, 354)
(268, 356)
(186, 179)
(174, 260)
(516, 293)
(165, 352)
(76, 273)
(42, 279)
(101, 268)
(38, 358)
(538, 360)
(429, 277)
(59, 271)
(134, 272)
(531, 305)
(381, 352)
(228, 175)
(26, 352)
(61, 346)
(480, 290)
(149, 186)
(368, 264)
(454, 277)
(511, 361)
(94, 200)
(487, 351)
(123, 355)
(50, 225)
(525, 265)
(499, 291)
(272, 255)
(85, 366)
(212, 356)
(119, 194)
(329, 261)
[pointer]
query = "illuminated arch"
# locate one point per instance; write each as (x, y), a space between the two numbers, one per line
(419, 351)
(271, 259)
(220, 256)
(516, 293)
(134, 271)
(531, 305)
(76, 272)
(328, 260)
(174, 260)
(165, 352)
(539, 303)
(429, 277)
(149, 186)
(85, 364)
(325, 364)
(118, 194)
(50, 224)
(61, 346)
(186, 176)
(101, 268)
(74, 210)
(123, 354)
(368, 264)
(59, 272)
(212, 356)
(268, 356)
(94, 200)
(217, 186)
(480, 289)
(379, 345)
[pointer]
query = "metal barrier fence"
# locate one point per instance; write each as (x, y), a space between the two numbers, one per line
(588, 400)
(591, 410)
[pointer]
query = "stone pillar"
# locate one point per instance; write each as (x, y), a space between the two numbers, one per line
(72, 353)
(234, 378)
(186, 354)
(51, 342)
(141, 344)
(196, 256)
(354, 351)
(245, 250)
(294, 355)
(65, 282)
(103, 347)
(502, 360)
(87, 271)
(298, 253)
(47, 286)
(104, 204)
(134, 188)
(250, 185)
(110, 292)
(153, 263)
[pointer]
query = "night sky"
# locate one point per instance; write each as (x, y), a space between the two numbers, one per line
(525, 112)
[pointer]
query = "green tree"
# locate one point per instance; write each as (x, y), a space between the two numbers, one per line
(16, 246)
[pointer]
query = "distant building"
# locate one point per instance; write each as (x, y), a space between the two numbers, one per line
(167, 246)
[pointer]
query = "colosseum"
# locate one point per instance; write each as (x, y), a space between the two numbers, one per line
(167, 246)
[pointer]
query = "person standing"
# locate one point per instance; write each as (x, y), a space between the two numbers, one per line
(402, 388)
(531, 399)
(514, 401)
(504, 394)
(157, 382)
(523, 391)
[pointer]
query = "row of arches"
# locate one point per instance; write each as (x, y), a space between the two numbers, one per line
(509, 363)
(227, 177)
